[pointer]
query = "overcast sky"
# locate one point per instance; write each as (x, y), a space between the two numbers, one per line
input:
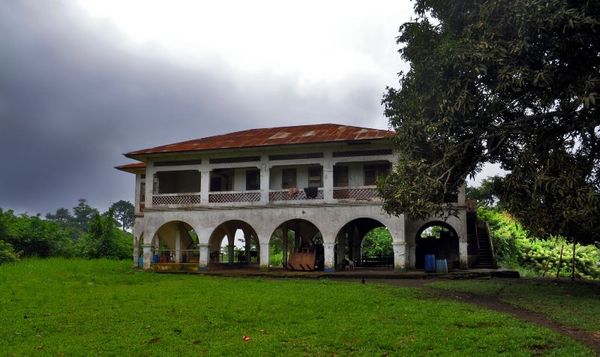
(82, 82)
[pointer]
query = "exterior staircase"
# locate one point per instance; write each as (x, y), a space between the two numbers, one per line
(479, 234)
(485, 258)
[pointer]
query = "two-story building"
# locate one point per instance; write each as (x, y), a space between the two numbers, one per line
(306, 193)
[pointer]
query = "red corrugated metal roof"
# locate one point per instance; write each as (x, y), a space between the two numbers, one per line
(133, 167)
(289, 135)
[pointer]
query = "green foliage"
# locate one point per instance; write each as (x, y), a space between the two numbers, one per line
(377, 242)
(7, 255)
(82, 214)
(513, 82)
(103, 305)
(487, 194)
(515, 247)
(124, 213)
(33, 236)
(104, 240)
(87, 234)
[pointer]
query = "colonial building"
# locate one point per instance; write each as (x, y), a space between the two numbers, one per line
(298, 197)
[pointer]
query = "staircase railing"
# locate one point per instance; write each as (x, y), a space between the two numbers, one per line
(492, 252)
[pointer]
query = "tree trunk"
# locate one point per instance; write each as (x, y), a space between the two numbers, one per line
(573, 264)
(562, 247)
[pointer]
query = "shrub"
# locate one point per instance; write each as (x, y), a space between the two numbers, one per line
(514, 248)
(7, 255)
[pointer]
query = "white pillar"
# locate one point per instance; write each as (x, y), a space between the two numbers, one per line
(204, 185)
(264, 256)
(399, 256)
(265, 177)
(178, 246)
(327, 177)
(329, 254)
(463, 254)
(147, 256)
(136, 251)
(149, 184)
(203, 259)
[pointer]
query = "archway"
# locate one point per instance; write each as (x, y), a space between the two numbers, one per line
(297, 244)
(437, 238)
(234, 244)
(358, 234)
(175, 242)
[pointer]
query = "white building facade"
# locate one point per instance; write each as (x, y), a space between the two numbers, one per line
(302, 188)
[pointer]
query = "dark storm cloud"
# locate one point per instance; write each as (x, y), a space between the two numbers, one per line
(73, 98)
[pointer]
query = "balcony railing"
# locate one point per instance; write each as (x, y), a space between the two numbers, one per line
(295, 195)
(364, 193)
(179, 199)
(234, 196)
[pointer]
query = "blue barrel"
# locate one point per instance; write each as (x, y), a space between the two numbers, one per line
(155, 259)
(140, 262)
(441, 266)
(430, 263)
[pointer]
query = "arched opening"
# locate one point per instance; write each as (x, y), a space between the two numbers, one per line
(234, 244)
(363, 242)
(175, 242)
(439, 239)
(297, 244)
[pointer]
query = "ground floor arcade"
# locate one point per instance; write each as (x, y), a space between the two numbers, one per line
(328, 238)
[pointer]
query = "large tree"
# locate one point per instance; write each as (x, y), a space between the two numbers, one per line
(514, 82)
(124, 213)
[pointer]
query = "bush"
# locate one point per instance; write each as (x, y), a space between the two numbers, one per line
(105, 240)
(515, 248)
(7, 255)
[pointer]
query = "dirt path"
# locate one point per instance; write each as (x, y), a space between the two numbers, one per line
(590, 339)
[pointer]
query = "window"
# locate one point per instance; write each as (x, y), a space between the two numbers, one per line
(340, 176)
(177, 181)
(315, 176)
(252, 179)
(374, 171)
(288, 178)
(221, 180)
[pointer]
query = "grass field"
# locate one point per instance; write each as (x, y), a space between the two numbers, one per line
(76, 307)
(571, 304)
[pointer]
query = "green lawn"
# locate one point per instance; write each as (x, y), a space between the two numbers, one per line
(572, 304)
(76, 307)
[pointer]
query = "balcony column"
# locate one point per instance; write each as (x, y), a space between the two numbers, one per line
(329, 254)
(204, 185)
(265, 176)
(203, 256)
(149, 184)
(328, 176)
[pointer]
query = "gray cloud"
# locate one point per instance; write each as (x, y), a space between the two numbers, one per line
(73, 98)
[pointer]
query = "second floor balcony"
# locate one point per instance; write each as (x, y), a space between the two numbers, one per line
(300, 184)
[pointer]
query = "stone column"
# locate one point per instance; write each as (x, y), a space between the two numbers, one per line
(463, 254)
(203, 259)
(178, 246)
(264, 256)
(327, 177)
(147, 256)
(136, 251)
(329, 254)
(204, 185)
(399, 256)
